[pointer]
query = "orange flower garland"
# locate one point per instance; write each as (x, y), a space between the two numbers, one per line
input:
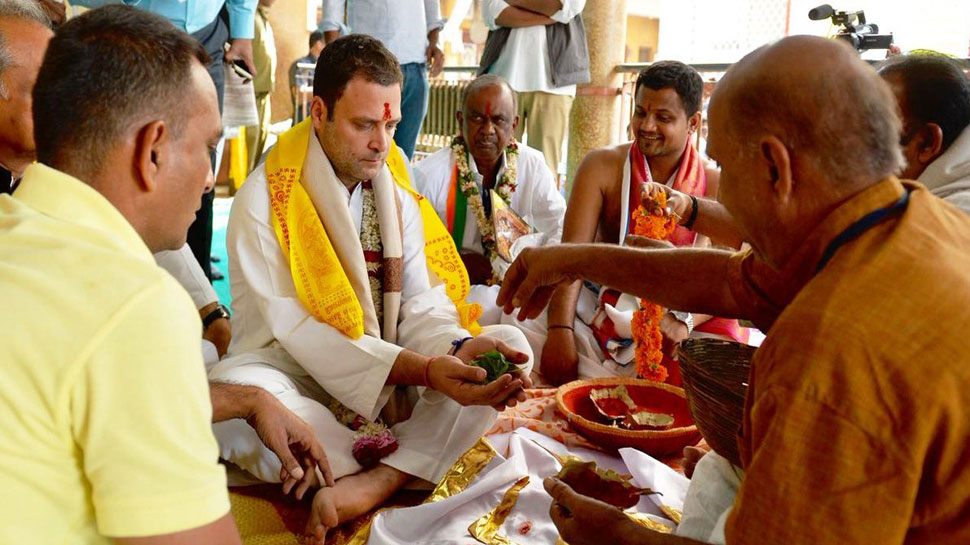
(646, 320)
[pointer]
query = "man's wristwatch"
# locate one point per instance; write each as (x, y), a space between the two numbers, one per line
(219, 312)
(685, 318)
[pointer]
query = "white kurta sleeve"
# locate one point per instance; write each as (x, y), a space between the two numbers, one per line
(333, 15)
(182, 265)
(352, 370)
(491, 9)
(548, 205)
(429, 321)
(432, 178)
(432, 15)
(570, 9)
(420, 177)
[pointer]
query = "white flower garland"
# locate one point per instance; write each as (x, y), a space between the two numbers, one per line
(505, 187)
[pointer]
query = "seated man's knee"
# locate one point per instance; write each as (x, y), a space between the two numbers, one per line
(240, 444)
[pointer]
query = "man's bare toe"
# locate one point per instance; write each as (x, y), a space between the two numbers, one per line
(323, 516)
(317, 537)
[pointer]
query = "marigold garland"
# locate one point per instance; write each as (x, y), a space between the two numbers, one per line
(646, 320)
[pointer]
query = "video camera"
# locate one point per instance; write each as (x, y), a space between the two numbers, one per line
(863, 36)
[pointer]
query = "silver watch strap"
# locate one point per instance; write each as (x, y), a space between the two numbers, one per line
(686, 318)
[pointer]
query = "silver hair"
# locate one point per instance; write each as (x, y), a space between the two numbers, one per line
(24, 10)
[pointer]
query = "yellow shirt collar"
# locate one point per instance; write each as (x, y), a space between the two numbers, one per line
(59, 195)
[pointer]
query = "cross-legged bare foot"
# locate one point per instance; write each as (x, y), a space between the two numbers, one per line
(351, 497)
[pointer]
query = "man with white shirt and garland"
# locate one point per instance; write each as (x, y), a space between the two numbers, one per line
(349, 299)
(458, 181)
(539, 47)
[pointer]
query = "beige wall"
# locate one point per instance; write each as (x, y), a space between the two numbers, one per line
(289, 21)
(641, 32)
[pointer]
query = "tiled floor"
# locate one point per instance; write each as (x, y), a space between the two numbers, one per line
(220, 216)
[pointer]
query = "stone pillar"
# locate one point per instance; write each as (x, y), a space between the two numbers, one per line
(595, 117)
(291, 24)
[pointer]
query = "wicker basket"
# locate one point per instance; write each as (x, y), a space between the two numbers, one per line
(715, 374)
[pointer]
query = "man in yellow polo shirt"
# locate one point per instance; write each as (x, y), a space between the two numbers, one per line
(104, 408)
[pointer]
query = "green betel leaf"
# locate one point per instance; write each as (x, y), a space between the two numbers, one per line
(494, 364)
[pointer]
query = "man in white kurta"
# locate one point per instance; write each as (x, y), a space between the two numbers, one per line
(487, 120)
(216, 331)
(439, 409)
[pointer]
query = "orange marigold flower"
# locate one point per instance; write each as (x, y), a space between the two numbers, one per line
(646, 320)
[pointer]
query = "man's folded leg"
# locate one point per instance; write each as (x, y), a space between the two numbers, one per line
(239, 443)
(438, 433)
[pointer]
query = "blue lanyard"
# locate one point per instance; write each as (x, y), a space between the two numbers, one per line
(862, 225)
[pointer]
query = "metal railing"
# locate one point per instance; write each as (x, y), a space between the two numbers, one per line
(635, 67)
(710, 73)
(445, 98)
(440, 123)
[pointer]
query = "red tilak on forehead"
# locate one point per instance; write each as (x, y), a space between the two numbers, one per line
(488, 109)
(387, 111)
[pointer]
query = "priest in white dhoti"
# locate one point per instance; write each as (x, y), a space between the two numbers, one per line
(483, 161)
(350, 300)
